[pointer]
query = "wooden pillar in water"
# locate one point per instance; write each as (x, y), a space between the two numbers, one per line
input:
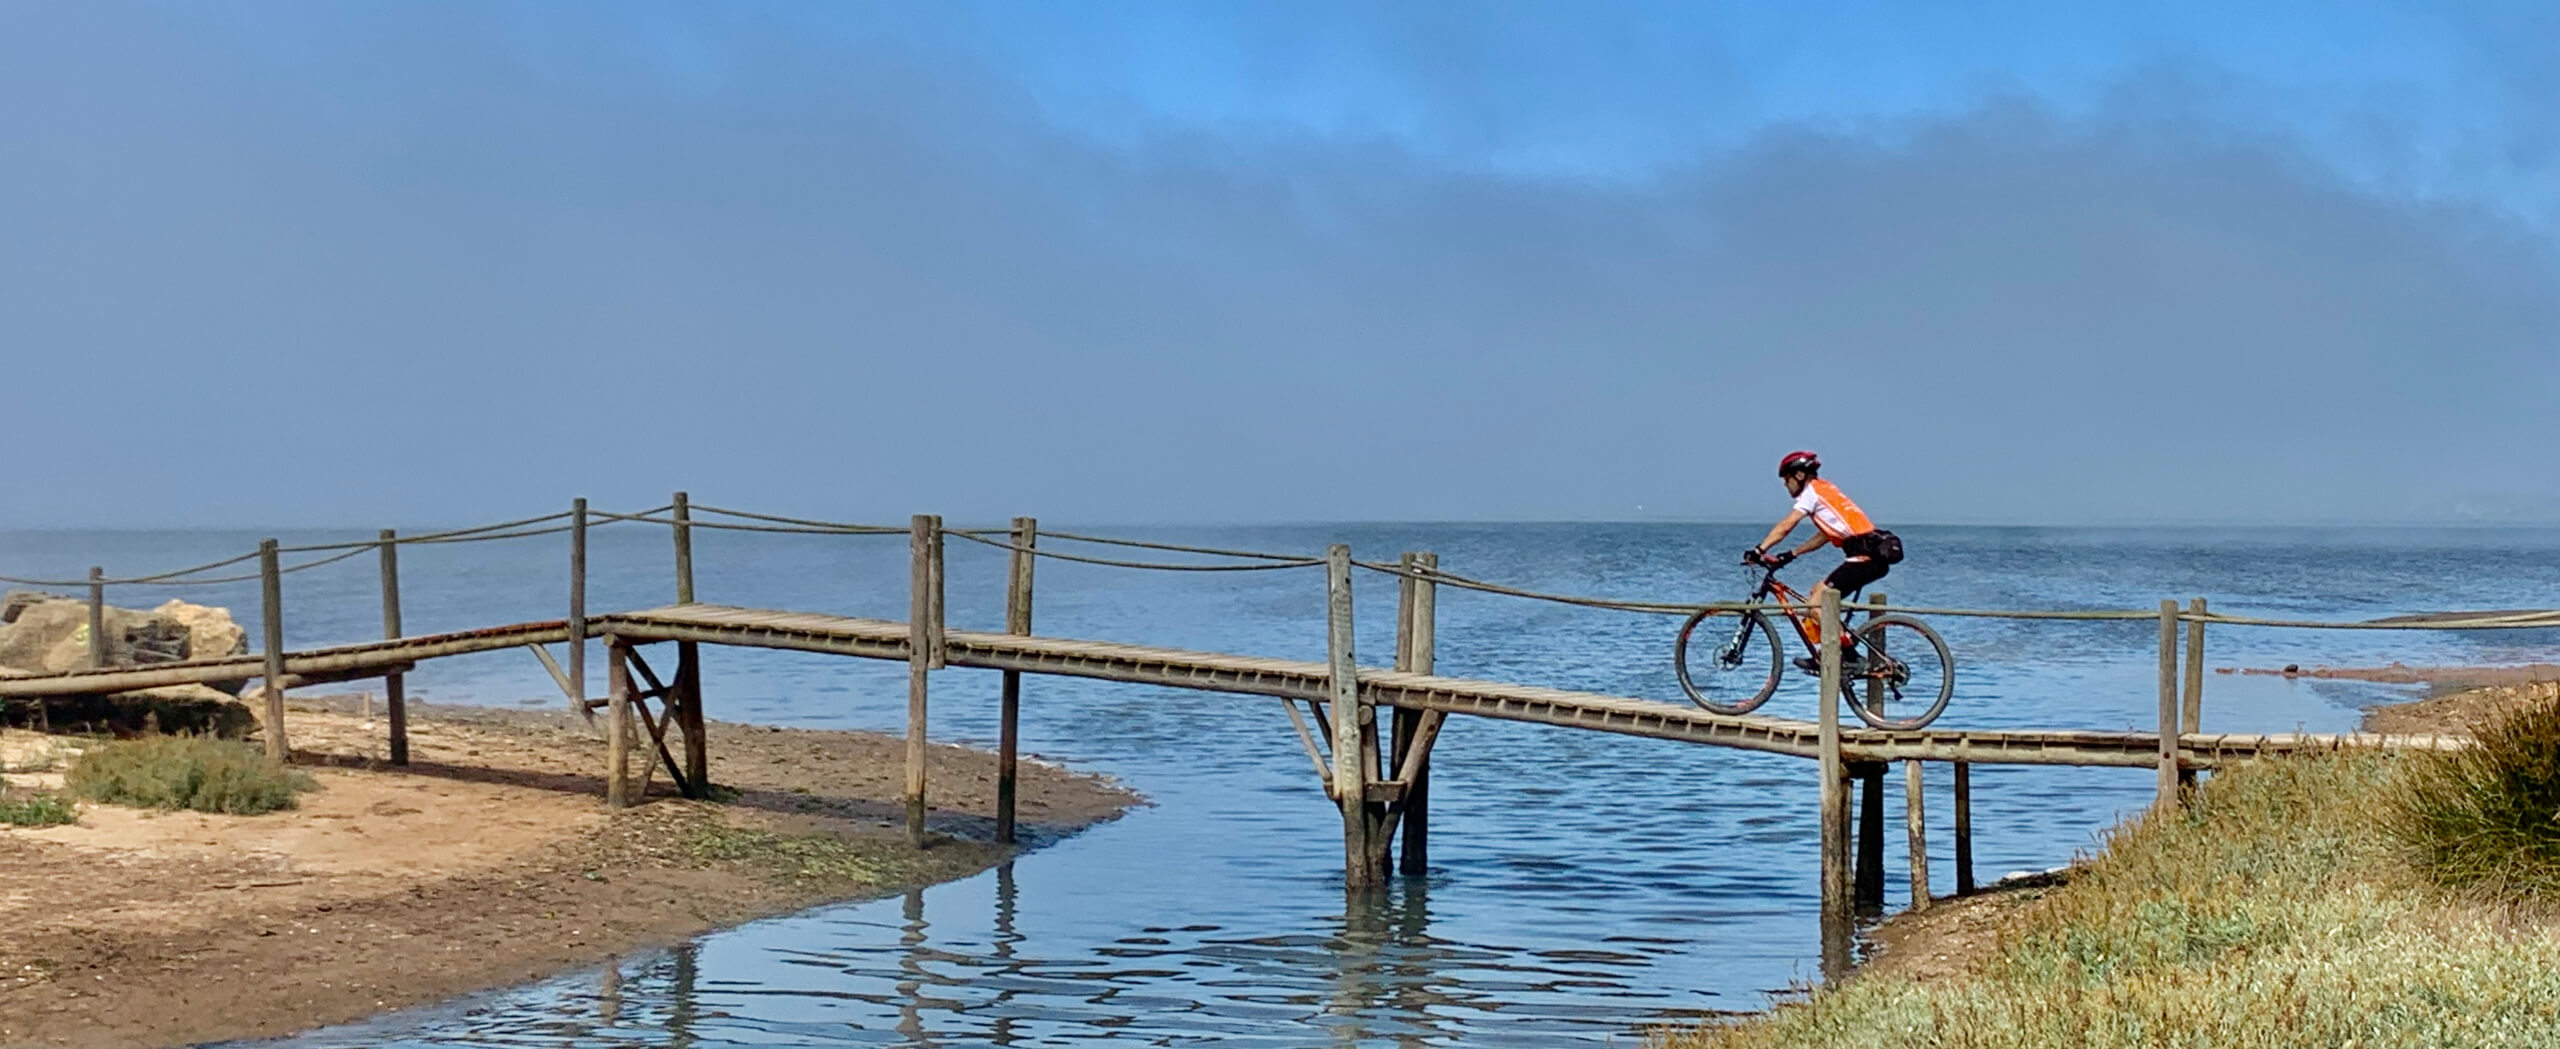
(924, 653)
(578, 604)
(1837, 906)
(1417, 636)
(617, 725)
(2168, 785)
(97, 616)
(271, 612)
(1964, 828)
(1354, 758)
(1870, 776)
(2191, 717)
(1017, 621)
(395, 686)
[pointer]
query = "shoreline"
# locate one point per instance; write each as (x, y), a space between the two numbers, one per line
(490, 861)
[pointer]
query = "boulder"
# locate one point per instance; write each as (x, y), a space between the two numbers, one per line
(49, 634)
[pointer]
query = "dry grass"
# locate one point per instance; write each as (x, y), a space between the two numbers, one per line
(2276, 911)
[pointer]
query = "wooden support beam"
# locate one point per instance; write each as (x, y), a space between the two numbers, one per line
(686, 698)
(1017, 620)
(97, 616)
(1964, 828)
(1870, 777)
(1353, 764)
(2168, 779)
(668, 695)
(924, 643)
(617, 732)
(1837, 909)
(1413, 767)
(271, 613)
(1916, 822)
(395, 686)
(2191, 716)
(577, 679)
(1307, 740)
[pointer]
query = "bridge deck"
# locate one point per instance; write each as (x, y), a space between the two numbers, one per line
(1223, 672)
(1297, 679)
(334, 661)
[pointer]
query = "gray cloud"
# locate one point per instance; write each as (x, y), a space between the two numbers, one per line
(431, 270)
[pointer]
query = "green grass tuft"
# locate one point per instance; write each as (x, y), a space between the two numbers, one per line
(2485, 821)
(185, 772)
(39, 809)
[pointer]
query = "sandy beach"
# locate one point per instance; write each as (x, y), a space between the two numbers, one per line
(490, 860)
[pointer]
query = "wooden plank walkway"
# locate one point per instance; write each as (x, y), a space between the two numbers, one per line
(1299, 679)
(364, 659)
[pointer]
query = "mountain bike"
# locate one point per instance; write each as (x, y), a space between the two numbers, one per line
(1898, 676)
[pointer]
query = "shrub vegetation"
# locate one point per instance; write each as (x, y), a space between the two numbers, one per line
(34, 809)
(2276, 910)
(2486, 820)
(201, 773)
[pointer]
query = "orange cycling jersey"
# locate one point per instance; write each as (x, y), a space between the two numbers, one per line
(1832, 512)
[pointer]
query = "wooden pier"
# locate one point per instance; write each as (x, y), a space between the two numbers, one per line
(1377, 777)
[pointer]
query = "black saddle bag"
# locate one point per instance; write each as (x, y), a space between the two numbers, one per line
(1881, 545)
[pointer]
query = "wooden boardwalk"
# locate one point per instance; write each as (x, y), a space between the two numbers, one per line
(1308, 680)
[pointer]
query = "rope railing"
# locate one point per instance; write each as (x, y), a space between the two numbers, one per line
(817, 526)
(472, 534)
(1155, 566)
(1254, 555)
(749, 521)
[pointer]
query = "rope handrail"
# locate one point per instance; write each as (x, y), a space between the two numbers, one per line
(733, 526)
(1147, 565)
(1211, 551)
(840, 527)
(451, 535)
(2523, 621)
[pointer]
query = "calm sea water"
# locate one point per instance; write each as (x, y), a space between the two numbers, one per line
(1668, 882)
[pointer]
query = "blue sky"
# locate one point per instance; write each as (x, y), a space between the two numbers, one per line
(1172, 262)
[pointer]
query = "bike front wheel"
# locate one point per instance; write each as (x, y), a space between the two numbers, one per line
(1737, 660)
(1906, 676)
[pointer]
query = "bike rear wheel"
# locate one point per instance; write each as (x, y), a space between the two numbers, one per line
(1906, 678)
(1739, 660)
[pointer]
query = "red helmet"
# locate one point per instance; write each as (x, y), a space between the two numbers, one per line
(1798, 461)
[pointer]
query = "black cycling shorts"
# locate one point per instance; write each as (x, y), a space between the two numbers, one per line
(1852, 575)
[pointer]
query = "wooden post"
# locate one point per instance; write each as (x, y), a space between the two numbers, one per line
(1916, 821)
(1964, 828)
(2168, 789)
(578, 604)
(271, 600)
(1836, 902)
(2191, 718)
(1870, 777)
(395, 686)
(1420, 635)
(97, 617)
(1017, 620)
(1351, 774)
(617, 732)
(686, 700)
(684, 548)
(924, 639)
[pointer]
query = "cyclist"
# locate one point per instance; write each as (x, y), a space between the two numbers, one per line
(1869, 552)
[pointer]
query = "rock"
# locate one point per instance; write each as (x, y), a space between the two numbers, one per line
(49, 634)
